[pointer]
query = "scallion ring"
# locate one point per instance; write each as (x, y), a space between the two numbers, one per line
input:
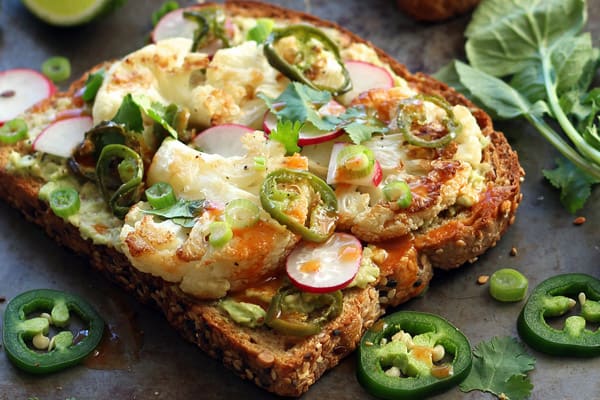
(219, 233)
(64, 202)
(355, 161)
(398, 191)
(58, 69)
(161, 195)
(241, 213)
(508, 285)
(13, 131)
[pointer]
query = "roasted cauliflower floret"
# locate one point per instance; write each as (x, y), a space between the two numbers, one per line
(215, 91)
(439, 178)
(185, 255)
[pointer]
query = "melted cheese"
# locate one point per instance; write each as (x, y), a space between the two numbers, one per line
(184, 255)
(215, 91)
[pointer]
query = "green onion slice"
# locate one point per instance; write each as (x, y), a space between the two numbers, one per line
(219, 233)
(64, 202)
(508, 285)
(398, 191)
(161, 195)
(13, 131)
(356, 161)
(58, 69)
(241, 213)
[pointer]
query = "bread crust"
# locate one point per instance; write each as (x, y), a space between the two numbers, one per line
(280, 364)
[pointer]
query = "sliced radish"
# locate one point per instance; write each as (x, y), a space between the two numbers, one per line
(61, 137)
(309, 134)
(174, 25)
(20, 89)
(366, 76)
(222, 139)
(325, 267)
(358, 167)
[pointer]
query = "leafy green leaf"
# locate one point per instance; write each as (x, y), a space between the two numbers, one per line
(287, 133)
(500, 367)
(573, 59)
(181, 213)
(129, 115)
(449, 74)
(499, 98)
(155, 111)
(299, 102)
(574, 184)
(504, 37)
(261, 31)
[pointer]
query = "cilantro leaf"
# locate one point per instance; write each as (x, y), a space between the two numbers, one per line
(181, 213)
(155, 111)
(574, 184)
(129, 115)
(359, 126)
(300, 103)
(287, 133)
(500, 367)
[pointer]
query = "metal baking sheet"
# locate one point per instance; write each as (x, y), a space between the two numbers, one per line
(146, 359)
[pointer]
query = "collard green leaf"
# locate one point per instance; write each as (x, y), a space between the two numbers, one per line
(498, 98)
(574, 184)
(573, 59)
(506, 36)
(529, 82)
(500, 367)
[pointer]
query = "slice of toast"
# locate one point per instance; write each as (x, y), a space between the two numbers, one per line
(281, 364)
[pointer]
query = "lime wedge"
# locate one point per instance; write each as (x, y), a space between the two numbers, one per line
(69, 12)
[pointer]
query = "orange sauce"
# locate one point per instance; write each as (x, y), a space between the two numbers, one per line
(396, 249)
(310, 266)
(349, 253)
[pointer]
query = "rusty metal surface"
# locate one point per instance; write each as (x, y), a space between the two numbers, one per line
(152, 362)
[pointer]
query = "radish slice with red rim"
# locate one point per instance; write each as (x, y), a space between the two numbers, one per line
(20, 89)
(174, 25)
(225, 140)
(62, 137)
(365, 76)
(325, 267)
(309, 134)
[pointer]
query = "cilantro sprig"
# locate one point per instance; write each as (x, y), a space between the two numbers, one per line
(183, 213)
(300, 104)
(500, 367)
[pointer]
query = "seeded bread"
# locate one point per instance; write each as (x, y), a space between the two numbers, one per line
(280, 364)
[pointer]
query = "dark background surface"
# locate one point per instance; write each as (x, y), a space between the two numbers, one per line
(146, 359)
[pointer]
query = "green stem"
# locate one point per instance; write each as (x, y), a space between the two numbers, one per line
(562, 146)
(590, 153)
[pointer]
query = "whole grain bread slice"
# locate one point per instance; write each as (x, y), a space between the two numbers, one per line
(281, 364)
